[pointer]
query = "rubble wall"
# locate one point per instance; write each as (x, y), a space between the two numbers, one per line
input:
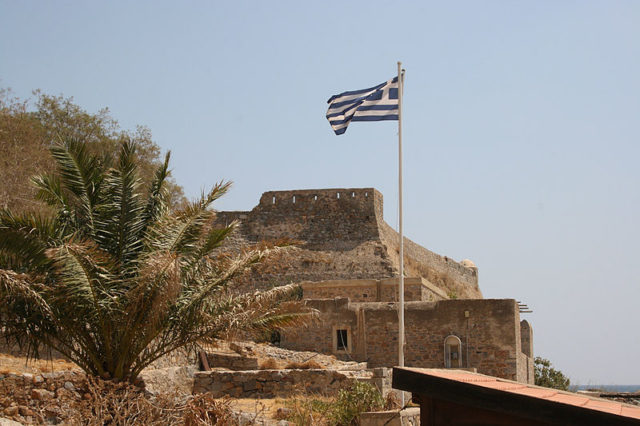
(269, 383)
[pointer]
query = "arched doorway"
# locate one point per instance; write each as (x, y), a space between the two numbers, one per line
(452, 352)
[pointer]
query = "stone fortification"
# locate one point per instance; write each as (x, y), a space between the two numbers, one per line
(415, 289)
(489, 334)
(340, 235)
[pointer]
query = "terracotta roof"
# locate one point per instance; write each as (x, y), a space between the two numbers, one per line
(567, 398)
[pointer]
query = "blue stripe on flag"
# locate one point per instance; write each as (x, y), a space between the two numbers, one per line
(357, 92)
(377, 107)
(375, 117)
(348, 106)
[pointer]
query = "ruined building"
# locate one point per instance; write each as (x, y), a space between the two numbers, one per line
(347, 258)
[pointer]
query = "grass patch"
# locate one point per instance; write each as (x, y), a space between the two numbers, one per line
(344, 409)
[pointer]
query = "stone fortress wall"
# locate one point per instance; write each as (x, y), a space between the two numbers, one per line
(340, 234)
(346, 258)
(493, 340)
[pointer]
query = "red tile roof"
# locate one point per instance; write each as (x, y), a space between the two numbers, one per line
(532, 391)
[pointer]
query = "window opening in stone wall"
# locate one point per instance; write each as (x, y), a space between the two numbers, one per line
(274, 200)
(452, 352)
(353, 194)
(338, 195)
(315, 198)
(342, 344)
(366, 194)
(294, 199)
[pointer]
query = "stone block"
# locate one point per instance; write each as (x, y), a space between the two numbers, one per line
(41, 394)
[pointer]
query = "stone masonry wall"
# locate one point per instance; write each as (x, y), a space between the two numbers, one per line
(319, 337)
(457, 280)
(340, 234)
(415, 289)
(269, 383)
(336, 218)
(488, 329)
(526, 339)
(232, 361)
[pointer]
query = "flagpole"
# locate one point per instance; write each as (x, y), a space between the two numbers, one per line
(401, 279)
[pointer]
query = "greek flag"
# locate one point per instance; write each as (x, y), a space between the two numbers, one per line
(374, 104)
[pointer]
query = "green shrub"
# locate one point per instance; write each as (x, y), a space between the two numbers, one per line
(547, 376)
(340, 411)
(351, 402)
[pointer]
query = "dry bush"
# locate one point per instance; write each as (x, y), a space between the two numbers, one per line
(125, 404)
(268, 364)
(392, 402)
(98, 402)
(203, 409)
(108, 402)
(307, 365)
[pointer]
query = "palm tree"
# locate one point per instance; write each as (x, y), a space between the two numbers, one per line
(112, 279)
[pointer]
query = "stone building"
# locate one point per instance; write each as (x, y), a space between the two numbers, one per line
(346, 256)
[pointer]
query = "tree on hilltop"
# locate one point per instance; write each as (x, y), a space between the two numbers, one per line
(113, 279)
(28, 131)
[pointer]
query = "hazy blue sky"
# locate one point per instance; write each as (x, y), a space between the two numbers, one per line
(521, 128)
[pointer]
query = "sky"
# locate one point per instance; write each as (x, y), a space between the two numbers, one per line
(521, 123)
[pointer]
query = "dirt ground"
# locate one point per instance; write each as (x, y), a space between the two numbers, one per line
(18, 365)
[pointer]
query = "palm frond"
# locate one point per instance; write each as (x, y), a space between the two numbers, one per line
(25, 316)
(200, 294)
(80, 174)
(191, 221)
(156, 202)
(49, 190)
(24, 238)
(258, 312)
(83, 279)
(14, 285)
(119, 219)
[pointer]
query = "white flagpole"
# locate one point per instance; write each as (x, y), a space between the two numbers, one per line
(401, 280)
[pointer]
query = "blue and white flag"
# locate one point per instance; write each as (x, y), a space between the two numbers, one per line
(374, 104)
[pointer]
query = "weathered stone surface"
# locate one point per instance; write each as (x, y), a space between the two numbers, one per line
(41, 394)
(179, 379)
(342, 235)
(25, 411)
(11, 411)
(488, 329)
(232, 361)
(406, 417)
(269, 383)
(9, 422)
(371, 290)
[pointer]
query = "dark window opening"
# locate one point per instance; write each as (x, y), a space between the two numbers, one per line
(341, 340)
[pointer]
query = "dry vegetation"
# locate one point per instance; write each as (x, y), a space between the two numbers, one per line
(18, 365)
(99, 402)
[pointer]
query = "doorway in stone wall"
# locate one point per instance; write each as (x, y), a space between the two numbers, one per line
(452, 352)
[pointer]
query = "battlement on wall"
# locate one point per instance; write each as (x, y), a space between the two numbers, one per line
(317, 215)
(357, 201)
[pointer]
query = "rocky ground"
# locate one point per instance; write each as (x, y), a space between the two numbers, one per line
(285, 358)
(39, 391)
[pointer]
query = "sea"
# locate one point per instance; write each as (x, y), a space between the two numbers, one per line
(608, 388)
